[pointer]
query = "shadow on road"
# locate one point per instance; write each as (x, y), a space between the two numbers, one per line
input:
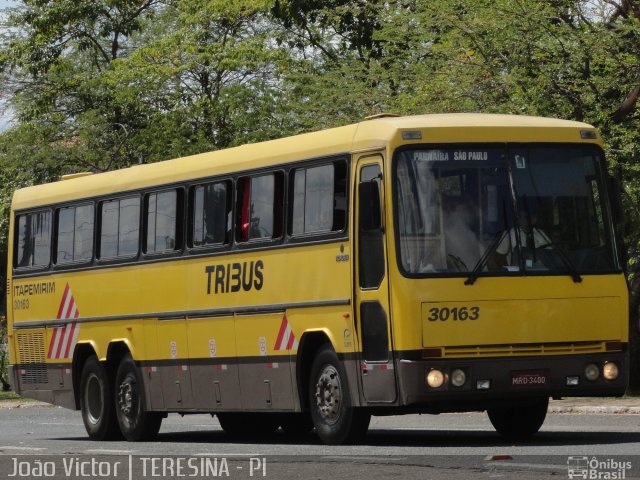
(461, 438)
(404, 438)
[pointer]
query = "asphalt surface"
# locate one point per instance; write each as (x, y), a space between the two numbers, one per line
(450, 446)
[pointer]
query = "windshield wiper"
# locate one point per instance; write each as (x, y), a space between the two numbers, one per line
(484, 259)
(571, 268)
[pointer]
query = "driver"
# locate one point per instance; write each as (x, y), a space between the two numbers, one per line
(531, 237)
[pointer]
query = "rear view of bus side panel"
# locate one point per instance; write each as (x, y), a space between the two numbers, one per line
(34, 372)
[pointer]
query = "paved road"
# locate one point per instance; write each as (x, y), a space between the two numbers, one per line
(448, 446)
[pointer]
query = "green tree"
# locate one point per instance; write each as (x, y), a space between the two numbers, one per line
(54, 62)
(39, 160)
(207, 79)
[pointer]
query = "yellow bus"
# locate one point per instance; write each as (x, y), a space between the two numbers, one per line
(421, 264)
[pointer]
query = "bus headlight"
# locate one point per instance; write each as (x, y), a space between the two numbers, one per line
(591, 372)
(610, 371)
(458, 378)
(435, 378)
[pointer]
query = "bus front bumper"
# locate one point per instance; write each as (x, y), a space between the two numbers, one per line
(491, 380)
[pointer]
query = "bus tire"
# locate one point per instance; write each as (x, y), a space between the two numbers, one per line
(96, 401)
(520, 419)
(135, 421)
(248, 424)
(333, 417)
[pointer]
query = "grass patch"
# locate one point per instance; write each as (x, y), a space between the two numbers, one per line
(9, 396)
(13, 397)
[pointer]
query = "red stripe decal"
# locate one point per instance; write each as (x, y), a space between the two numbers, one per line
(53, 341)
(292, 338)
(283, 328)
(63, 332)
(70, 308)
(66, 350)
(64, 297)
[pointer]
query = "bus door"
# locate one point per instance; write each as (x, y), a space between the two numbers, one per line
(371, 289)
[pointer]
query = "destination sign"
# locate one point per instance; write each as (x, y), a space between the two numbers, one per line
(449, 155)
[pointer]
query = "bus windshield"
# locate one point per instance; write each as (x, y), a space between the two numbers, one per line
(521, 208)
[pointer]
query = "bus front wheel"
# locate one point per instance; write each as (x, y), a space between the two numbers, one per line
(520, 419)
(335, 420)
(96, 401)
(135, 421)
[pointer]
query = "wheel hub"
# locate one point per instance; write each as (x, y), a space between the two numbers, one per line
(93, 398)
(329, 394)
(126, 397)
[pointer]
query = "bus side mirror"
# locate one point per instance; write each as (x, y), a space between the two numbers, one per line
(370, 200)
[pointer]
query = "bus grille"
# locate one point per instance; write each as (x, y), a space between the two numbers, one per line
(523, 349)
(33, 368)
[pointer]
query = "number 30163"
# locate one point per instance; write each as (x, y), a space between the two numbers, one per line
(455, 313)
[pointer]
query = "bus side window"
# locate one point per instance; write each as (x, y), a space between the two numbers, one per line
(312, 200)
(74, 240)
(260, 206)
(210, 209)
(33, 240)
(161, 220)
(371, 259)
(119, 228)
(318, 199)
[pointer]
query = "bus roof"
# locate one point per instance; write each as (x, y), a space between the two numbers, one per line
(369, 134)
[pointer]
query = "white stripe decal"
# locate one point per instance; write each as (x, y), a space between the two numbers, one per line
(65, 342)
(65, 338)
(65, 301)
(285, 337)
(56, 341)
(74, 340)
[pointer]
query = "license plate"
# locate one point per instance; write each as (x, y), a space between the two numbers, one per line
(539, 378)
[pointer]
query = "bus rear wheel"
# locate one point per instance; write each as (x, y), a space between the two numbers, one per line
(135, 421)
(96, 401)
(520, 419)
(335, 420)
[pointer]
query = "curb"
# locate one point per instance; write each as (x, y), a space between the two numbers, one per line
(581, 410)
(619, 410)
(22, 404)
